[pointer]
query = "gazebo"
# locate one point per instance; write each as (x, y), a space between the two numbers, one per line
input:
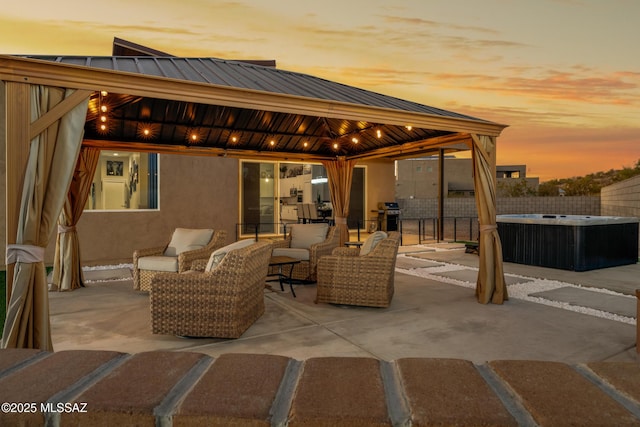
(205, 107)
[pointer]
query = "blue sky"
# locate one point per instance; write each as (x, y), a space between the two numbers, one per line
(563, 74)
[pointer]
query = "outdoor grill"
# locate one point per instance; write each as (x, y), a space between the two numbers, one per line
(388, 216)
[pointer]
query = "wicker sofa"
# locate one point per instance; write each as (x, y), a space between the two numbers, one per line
(347, 277)
(322, 238)
(220, 303)
(176, 256)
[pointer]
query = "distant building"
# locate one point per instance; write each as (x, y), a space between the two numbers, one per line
(418, 178)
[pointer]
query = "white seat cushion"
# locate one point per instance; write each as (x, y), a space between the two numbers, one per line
(158, 263)
(218, 255)
(372, 241)
(188, 239)
(297, 253)
(305, 235)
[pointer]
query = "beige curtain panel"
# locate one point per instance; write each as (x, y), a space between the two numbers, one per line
(67, 265)
(490, 286)
(340, 175)
(52, 157)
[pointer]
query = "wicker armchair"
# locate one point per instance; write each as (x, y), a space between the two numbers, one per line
(306, 269)
(222, 303)
(346, 277)
(179, 263)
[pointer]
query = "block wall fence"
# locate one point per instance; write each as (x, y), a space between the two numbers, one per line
(622, 198)
(466, 207)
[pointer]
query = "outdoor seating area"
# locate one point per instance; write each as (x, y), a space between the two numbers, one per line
(199, 289)
(433, 313)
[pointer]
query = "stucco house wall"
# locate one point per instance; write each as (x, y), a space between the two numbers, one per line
(195, 192)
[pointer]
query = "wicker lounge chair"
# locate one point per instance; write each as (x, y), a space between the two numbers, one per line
(347, 277)
(325, 242)
(167, 258)
(221, 303)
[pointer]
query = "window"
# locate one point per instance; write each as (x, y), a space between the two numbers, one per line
(124, 180)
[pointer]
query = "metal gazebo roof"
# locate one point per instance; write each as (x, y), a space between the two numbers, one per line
(210, 106)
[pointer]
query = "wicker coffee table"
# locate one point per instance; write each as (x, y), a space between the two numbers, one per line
(282, 261)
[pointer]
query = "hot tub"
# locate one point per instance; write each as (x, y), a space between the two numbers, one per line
(569, 242)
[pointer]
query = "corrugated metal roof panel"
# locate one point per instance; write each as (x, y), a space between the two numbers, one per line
(250, 76)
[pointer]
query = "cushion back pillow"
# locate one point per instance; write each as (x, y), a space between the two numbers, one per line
(218, 255)
(372, 241)
(305, 235)
(188, 239)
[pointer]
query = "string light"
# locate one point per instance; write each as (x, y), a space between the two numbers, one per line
(146, 130)
(379, 133)
(354, 140)
(192, 136)
(102, 108)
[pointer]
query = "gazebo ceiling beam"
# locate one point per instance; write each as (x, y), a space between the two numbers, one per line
(414, 148)
(195, 150)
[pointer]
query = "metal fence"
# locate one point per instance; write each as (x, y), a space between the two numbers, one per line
(414, 231)
(456, 229)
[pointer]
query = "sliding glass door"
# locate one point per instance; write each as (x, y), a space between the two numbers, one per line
(272, 192)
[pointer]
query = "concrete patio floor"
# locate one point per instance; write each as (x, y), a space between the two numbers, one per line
(434, 314)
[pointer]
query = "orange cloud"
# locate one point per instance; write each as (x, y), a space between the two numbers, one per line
(617, 88)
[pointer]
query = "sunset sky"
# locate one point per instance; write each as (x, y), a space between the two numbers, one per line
(563, 74)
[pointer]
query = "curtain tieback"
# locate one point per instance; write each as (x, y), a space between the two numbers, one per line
(340, 220)
(488, 227)
(66, 228)
(24, 253)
